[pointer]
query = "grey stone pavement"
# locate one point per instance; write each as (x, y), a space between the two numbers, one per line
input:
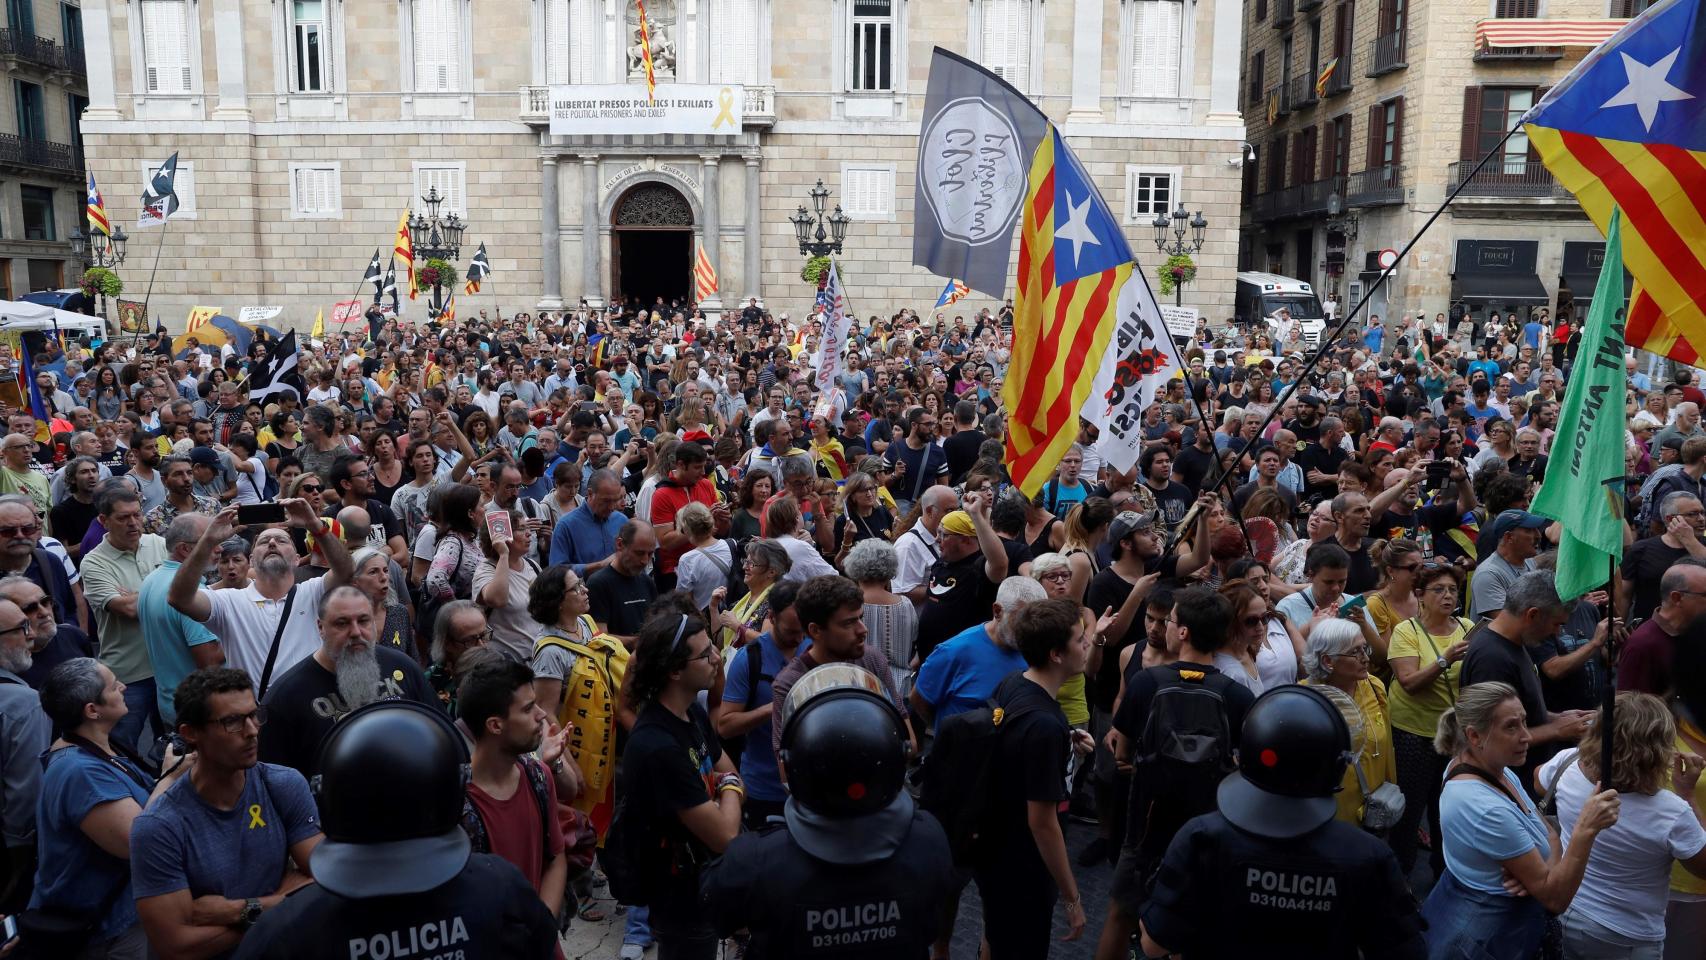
(602, 941)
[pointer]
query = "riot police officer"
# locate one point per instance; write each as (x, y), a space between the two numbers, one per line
(855, 870)
(1271, 874)
(395, 875)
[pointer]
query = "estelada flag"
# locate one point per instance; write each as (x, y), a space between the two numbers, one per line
(1325, 77)
(405, 248)
(1073, 263)
(97, 210)
(952, 293)
(1627, 130)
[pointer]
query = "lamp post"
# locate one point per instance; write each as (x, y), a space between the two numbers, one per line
(1178, 224)
(819, 235)
(436, 238)
(99, 250)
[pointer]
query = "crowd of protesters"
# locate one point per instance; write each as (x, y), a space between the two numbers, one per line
(608, 542)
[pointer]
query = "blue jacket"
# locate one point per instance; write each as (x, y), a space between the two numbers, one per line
(580, 538)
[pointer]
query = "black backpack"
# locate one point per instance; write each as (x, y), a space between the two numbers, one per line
(1182, 754)
(959, 776)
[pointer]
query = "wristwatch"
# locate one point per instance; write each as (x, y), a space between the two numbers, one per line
(1443, 664)
(251, 913)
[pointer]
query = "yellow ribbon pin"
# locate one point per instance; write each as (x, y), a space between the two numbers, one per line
(255, 816)
(725, 108)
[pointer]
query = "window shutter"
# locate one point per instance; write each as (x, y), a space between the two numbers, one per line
(556, 41)
(1157, 27)
(437, 37)
(448, 181)
(165, 46)
(734, 35)
(1261, 10)
(1469, 147)
(1329, 148)
(1397, 131)
(582, 26)
(1342, 35)
(1006, 34)
(1376, 123)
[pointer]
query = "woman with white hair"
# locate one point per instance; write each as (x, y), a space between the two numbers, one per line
(1336, 655)
(891, 620)
(373, 578)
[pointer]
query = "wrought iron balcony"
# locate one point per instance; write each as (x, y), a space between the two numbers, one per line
(1282, 94)
(1315, 193)
(44, 154)
(1302, 90)
(1510, 179)
(40, 51)
(1340, 81)
(1264, 205)
(1376, 186)
(1387, 54)
(1516, 54)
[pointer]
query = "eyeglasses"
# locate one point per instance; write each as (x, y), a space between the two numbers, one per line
(1443, 589)
(239, 722)
(1059, 576)
(28, 530)
(472, 640)
(1361, 653)
(579, 587)
(38, 604)
(25, 627)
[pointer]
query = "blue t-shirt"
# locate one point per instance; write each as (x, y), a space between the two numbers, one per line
(1483, 828)
(1374, 338)
(758, 761)
(1488, 367)
(1059, 498)
(181, 842)
(1531, 334)
(75, 873)
(169, 635)
(963, 671)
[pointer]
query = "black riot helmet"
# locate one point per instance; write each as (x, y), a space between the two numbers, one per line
(844, 751)
(1291, 760)
(390, 789)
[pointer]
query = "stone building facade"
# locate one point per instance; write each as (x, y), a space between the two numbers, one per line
(1415, 100)
(41, 164)
(305, 127)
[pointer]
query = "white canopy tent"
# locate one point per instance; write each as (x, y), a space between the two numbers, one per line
(17, 316)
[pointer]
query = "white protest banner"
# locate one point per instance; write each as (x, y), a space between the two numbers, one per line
(692, 108)
(836, 322)
(1142, 358)
(1181, 321)
(257, 314)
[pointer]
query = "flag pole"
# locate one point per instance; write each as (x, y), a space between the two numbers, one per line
(146, 294)
(1327, 339)
(1608, 690)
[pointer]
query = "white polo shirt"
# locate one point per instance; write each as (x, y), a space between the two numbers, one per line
(245, 621)
(917, 552)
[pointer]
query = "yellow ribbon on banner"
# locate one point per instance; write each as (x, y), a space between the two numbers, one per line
(255, 816)
(725, 108)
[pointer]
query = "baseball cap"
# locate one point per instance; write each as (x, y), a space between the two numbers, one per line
(204, 457)
(1128, 522)
(1515, 519)
(959, 522)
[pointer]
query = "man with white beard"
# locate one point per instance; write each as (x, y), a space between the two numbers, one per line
(349, 670)
(270, 625)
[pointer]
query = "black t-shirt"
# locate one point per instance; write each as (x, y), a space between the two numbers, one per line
(1493, 657)
(1031, 756)
(487, 912)
(68, 643)
(71, 518)
(961, 449)
(798, 906)
(961, 596)
(1109, 590)
(872, 527)
(1644, 564)
(1174, 501)
(385, 524)
(1363, 576)
(1193, 465)
(303, 704)
(620, 602)
(1334, 893)
(666, 769)
(1327, 460)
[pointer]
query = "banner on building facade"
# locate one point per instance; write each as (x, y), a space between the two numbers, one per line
(257, 314)
(705, 109)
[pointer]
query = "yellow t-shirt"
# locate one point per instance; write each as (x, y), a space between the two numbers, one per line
(1378, 761)
(1072, 702)
(30, 484)
(1681, 880)
(1418, 713)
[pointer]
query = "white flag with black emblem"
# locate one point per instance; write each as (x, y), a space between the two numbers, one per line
(278, 373)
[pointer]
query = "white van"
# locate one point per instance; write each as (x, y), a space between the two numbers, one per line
(1259, 295)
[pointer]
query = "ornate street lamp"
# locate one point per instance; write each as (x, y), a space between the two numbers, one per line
(436, 238)
(820, 236)
(99, 250)
(1179, 224)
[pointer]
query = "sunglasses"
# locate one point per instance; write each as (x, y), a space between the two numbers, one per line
(28, 530)
(305, 488)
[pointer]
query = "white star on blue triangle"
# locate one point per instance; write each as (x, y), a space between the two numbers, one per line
(1087, 238)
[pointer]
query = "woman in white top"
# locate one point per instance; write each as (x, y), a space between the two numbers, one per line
(1619, 910)
(704, 568)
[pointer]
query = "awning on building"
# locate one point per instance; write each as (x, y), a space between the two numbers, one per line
(1500, 272)
(1582, 262)
(1544, 32)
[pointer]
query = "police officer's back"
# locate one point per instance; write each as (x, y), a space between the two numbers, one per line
(856, 871)
(1271, 873)
(394, 875)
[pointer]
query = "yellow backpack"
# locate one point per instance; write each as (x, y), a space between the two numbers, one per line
(589, 706)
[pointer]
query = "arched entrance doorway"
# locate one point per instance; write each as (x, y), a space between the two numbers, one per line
(651, 244)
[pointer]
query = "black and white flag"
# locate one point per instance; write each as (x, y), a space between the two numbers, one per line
(278, 373)
(388, 287)
(372, 275)
(159, 199)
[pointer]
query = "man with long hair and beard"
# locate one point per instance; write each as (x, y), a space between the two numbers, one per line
(349, 670)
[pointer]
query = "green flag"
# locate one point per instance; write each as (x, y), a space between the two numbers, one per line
(1587, 450)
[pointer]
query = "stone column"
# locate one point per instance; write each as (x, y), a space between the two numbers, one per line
(98, 54)
(1086, 62)
(712, 228)
(754, 285)
(229, 61)
(592, 274)
(550, 237)
(1228, 58)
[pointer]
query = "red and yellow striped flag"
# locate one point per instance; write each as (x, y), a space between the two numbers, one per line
(704, 276)
(1073, 261)
(405, 248)
(646, 53)
(1627, 129)
(97, 210)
